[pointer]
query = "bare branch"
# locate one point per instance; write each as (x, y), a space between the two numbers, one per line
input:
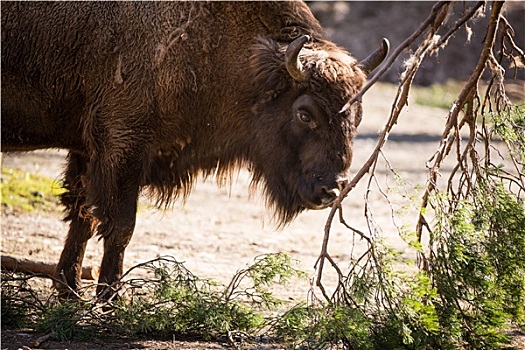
(466, 92)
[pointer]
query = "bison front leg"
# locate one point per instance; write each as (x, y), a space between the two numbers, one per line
(69, 267)
(113, 191)
(117, 233)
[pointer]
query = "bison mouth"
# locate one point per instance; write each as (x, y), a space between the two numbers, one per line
(321, 193)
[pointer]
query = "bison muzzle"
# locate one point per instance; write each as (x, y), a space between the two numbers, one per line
(151, 95)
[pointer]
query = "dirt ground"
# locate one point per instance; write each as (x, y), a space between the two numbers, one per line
(220, 230)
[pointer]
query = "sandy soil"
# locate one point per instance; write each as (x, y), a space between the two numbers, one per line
(220, 230)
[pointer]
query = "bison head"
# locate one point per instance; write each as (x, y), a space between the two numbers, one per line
(302, 138)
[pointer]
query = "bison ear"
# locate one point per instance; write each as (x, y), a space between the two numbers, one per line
(267, 62)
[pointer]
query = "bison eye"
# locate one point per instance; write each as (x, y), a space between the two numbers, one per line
(304, 117)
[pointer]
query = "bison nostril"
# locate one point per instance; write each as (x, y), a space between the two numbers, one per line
(328, 194)
(326, 191)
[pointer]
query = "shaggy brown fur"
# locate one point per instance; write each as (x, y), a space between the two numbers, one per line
(153, 94)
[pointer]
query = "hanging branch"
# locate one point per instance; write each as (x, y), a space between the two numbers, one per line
(468, 93)
(468, 101)
(430, 25)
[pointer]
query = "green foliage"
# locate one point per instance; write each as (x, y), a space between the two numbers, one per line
(479, 269)
(324, 326)
(413, 321)
(379, 308)
(172, 301)
(266, 271)
(63, 320)
(183, 304)
(23, 191)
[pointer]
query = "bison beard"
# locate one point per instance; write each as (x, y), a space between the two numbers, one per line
(150, 95)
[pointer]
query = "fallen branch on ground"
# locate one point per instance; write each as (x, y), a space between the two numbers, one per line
(13, 264)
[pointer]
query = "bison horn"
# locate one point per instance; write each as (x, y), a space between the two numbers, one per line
(291, 58)
(374, 60)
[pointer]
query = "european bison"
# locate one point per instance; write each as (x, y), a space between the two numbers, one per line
(153, 94)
